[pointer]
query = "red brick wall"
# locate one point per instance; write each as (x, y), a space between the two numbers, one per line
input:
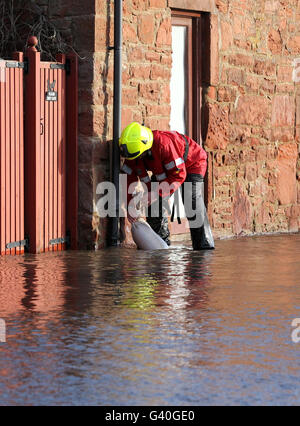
(146, 72)
(254, 104)
(252, 101)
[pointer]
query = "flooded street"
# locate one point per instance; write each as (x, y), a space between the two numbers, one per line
(172, 327)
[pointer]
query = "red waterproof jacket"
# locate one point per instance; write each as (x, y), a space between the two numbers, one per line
(167, 162)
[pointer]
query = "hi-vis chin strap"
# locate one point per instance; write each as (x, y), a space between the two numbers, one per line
(126, 154)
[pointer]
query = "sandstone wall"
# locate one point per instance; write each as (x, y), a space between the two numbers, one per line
(252, 98)
(253, 135)
(145, 94)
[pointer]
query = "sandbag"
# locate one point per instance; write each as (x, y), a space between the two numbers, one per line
(145, 238)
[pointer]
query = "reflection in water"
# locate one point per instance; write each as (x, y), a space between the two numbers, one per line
(173, 327)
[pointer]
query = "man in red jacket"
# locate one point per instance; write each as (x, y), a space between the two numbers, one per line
(173, 159)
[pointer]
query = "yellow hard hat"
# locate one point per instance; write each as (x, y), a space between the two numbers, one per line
(135, 140)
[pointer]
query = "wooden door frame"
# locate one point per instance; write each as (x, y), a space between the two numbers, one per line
(186, 22)
(193, 21)
(201, 73)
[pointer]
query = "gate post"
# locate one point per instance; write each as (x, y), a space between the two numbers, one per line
(11, 156)
(33, 206)
(2, 159)
(19, 95)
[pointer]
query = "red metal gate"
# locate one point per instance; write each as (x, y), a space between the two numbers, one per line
(12, 239)
(43, 215)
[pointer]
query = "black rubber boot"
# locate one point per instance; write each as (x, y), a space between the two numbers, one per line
(192, 195)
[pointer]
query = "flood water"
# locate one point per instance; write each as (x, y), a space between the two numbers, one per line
(172, 327)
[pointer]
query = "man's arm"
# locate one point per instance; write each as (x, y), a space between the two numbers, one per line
(175, 168)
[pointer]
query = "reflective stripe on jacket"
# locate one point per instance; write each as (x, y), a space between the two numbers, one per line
(167, 161)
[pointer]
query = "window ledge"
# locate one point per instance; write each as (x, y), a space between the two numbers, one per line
(195, 5)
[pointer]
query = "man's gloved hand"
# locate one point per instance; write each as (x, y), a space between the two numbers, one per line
(137, 209)
(148, 198)
(131, 219)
